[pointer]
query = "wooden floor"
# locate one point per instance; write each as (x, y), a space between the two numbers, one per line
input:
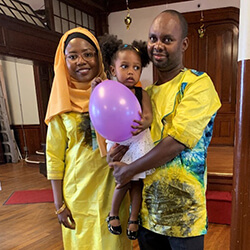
(29, 226)
(35, 226)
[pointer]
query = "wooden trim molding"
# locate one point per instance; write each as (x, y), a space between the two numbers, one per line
(119, 5)
(24, 40)
(213, 15)
(220, 181)
(240, 229)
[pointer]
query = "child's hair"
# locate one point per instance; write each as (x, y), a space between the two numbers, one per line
(110, 45)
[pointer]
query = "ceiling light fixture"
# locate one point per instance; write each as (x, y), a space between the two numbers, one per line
(128, 19)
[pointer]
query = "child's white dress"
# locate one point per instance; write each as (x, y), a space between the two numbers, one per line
(139, 145)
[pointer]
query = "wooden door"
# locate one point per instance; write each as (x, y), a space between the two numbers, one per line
(44, 75)
(216, 54)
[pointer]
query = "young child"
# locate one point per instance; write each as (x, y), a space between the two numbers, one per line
(125, 63)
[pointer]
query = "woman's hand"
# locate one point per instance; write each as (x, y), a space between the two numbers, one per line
(63, 213)
(116, 153)
(95, 82)
(65, 218)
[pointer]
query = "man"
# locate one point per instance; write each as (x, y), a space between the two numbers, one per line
(184, 106)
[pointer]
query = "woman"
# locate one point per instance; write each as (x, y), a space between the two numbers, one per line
(81, 180)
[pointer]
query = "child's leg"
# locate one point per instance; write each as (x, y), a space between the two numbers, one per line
(136, 199)
(118, 197)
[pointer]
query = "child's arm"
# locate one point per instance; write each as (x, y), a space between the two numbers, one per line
(146, 116)
(95, 82)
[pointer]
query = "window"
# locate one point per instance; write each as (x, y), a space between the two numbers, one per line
(67, 17)
(20, 11)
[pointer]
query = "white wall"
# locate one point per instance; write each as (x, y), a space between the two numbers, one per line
(143, 17)
(21, 93)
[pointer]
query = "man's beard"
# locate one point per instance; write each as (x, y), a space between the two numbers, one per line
(161, 64)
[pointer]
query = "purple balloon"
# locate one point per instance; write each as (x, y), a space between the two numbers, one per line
(112, 109)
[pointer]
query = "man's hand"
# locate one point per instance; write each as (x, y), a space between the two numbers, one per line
(122, 173)
(116, 153)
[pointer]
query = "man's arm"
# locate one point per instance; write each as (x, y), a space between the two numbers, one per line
(164, 152)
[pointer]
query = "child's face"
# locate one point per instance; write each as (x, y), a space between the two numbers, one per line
(81, 60)
(127, 68)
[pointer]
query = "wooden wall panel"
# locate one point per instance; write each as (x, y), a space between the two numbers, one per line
(24, 40)
(29, 133)
(24, 43)
(2, 39)
(191, 56)
(223, 133)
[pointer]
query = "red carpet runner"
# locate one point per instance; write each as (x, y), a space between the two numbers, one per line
(218, 203)
(30, 196)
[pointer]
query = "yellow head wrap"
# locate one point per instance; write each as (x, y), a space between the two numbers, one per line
(67, 94)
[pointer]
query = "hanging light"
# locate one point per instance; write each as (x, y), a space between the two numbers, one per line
(201, 30)
(128, 19)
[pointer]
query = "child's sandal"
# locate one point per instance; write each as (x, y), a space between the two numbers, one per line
(132, 235)
(117, 230)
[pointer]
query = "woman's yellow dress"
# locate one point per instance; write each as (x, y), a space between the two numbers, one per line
(88, 186)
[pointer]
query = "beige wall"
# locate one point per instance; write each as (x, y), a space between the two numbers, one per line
(34, 4)
(21, 93)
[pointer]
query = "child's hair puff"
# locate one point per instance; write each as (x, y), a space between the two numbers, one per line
(110, 45)
(143, 52)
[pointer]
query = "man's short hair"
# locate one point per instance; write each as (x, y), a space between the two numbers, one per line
(183, 21)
